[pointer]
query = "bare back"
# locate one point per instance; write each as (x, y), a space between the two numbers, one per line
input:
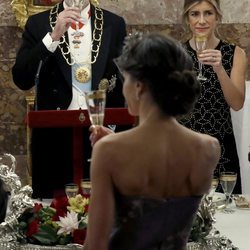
(161, 160)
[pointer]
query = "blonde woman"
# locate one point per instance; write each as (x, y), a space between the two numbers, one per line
(224, 67)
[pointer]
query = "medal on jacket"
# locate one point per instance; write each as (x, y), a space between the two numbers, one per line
(83, 74)
(78, 34)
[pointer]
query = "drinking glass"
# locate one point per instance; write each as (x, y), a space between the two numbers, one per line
(200, 44)
(78, 4)
(71, 190)
(86, 187)
(228, 181)
(75, 3)
(96, 100)
(214, 185)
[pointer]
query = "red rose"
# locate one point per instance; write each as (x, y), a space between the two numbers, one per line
(33, 227)
(37, 207)
(79, 236)
(60, 204)
(86, 209)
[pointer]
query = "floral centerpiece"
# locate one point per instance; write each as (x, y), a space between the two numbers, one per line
(61, 223)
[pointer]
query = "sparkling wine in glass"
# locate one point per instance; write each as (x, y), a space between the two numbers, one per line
(96, 101)
(228, 181)
(200, 44)
(71, 190)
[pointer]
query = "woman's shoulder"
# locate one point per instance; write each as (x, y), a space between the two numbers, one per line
(208, 142)
(115, 141)
(207, 147)
(207, 157)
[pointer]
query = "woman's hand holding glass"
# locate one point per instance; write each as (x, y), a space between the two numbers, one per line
(97, 132)
(200, 45)
(211, 57)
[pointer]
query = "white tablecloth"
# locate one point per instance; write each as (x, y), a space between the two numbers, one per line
(235, 226)
(241, 124)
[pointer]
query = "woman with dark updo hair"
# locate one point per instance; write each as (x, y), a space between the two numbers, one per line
(147, 182)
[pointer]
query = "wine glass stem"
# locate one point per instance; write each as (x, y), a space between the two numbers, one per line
(200, 68)
(227, 200)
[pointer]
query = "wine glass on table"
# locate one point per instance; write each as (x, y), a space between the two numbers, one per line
(71, 190)
(228, 181)
(200, 45)
(86, 187)
(213, 187)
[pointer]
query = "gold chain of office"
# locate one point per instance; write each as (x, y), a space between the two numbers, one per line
(96, 38)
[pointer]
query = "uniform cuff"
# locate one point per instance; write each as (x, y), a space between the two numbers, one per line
(49, 43)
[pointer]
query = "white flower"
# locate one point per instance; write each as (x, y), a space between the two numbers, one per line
(85, 219)
(69, 223)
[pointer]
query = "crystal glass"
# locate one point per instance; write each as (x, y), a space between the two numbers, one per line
(228, 181)
(78, 4)
(71, 190)
(75, 3)
(86, 187)
(96, 101)
(200, 44)
(214, 185)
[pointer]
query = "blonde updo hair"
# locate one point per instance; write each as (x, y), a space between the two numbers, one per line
(188, 4)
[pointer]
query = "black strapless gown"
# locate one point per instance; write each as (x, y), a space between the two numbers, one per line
(151, 224)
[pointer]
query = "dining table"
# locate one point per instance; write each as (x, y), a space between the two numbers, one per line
(235, 226)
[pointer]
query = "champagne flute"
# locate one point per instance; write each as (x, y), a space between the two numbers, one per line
(78, 4)
(228, 181)
(71, 190)
(96, 100)
(200, 44)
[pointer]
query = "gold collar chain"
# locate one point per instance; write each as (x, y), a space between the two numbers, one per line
(96, 37)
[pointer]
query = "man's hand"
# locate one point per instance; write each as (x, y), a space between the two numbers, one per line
(64, 20)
